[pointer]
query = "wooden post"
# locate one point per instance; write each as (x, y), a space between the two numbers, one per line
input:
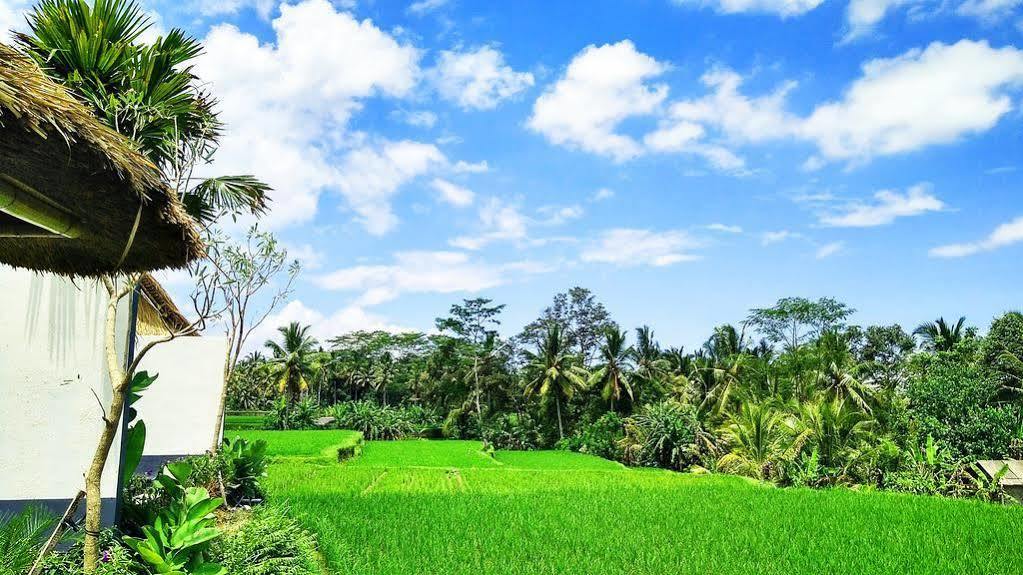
(57, 531)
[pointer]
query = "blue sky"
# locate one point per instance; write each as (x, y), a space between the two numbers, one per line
(684, 160)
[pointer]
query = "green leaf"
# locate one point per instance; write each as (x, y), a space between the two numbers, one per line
(135, 444)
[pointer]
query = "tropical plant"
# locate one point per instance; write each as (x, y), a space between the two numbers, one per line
(248, 462)
(176, 542)
(613, 372)
(939, 335)
(834, 429)
(144, 91)
(269, 542)
(292, 358)
(758, 441)
(21, 536)
(556, 373)
(662, 434)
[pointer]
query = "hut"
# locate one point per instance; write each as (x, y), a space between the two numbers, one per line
(77, 202)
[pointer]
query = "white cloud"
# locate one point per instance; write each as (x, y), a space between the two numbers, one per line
(421, 7)
(557, 215)
(886, 207)
(418, 118)
(477, 79)
(783, 8)
(602, 87)
(719, 227)
(602, 194)
(369, 177)
(308, 256)
(768, 238)
(420, 272)
(1004, 235)
(463, 167)
(12, 17)
(323, 327)
(285, 105)
(452, 193)
(924, 97)
(633, 247)
(499, 221)
(862, 15)
(227, 7)
(828, 250)
(988, 10)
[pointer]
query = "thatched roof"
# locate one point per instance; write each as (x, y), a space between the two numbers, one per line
(170, 315)
(55, 150)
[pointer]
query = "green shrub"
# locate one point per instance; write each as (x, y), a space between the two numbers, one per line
(21, 536)
(602, 438)
(662, 435)
(512, 431)
(114, 559)
(247, 465)
(268, 543)
(377, 421)
(1002, 350)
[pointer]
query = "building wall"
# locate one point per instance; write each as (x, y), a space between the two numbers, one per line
(53, 377)
(180, 408)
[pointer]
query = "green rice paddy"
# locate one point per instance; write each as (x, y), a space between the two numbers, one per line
(432, 507)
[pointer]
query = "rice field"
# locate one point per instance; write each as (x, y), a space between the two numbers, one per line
(429, 507)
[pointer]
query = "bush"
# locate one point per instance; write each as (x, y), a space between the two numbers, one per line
(381, 421)
(115, 559)
(602, 438)
(285, 415)
(1002, 350)
(662, 435)
(269, 542)
(511, 431)
(21, 536)
(953, 401)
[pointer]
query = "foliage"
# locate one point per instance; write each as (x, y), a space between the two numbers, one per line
(603, 437)
(292, 360)
(584, 318)
(115, 558)
(663, 435)
(757, 442)
(554, 372)
(512, 431)
(940, 335)
(794, 320)
(1002, 352)
(22, 534)
(248, 467)
(382, 421)
(177, 539)
(269, 542)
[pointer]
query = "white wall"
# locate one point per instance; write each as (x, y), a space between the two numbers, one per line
(52, 370)
(180, 408)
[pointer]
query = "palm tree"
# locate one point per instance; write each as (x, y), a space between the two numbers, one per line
(557, 373)
(293, 359)
(757, 439)
(651, 365)
(940, 336)
(833, 428)
(146, 92)
(613, 373)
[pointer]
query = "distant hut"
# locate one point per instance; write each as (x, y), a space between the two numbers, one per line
(76, 202)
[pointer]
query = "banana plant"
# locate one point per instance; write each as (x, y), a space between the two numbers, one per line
(176, 542)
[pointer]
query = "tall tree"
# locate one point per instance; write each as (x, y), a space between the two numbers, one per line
(473, 320)
(613, 371)
(794, 320)
(293, 359)
(583, 317)
(555, 372)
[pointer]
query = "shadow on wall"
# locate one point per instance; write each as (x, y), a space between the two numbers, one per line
(72, 313)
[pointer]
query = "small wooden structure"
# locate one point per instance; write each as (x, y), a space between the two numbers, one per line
(1011, 481)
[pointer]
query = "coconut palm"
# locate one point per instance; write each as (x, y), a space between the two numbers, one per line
(834, 428)
(757, 440)
(651, 365)
(939, 335)
(293, 359)
(614, 371)
(557, 373)
(146, 92)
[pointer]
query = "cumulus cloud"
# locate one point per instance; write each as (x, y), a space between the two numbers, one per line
(861, 16)
(452, 193)
(419, 272)
(286, 107)
(924, 97)
(634, 247)
(988, 10)
(477, 79)
(370, 176)
(783, 8)
(1004, 235)
(323, 326)
(602, 87)
(557, 215)
(888, 205)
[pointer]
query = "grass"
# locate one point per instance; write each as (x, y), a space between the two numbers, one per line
(418, 507)
(245, 420)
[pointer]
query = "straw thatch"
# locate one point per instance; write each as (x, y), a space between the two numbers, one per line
(54, 145)
(157, 312)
